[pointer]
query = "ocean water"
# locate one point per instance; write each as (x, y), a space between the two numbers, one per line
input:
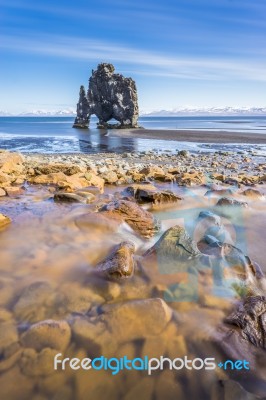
(56, 135)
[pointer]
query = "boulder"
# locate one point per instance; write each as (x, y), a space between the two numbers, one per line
(191, 179)
(120, 263)
(15, 385)
(4, 220)
(139, 219)
(136, 319)
(11, 163)
(49, 333)
(175, 251)
(110, 177)
(144, 194)
(228, 202)
(253, 194)
(8, 335)
(219, 192)
(2, 192)
(67, 169)
(74, 197)
(110, 96)
(97, 222)
(37, 364)
(157, 173)
(250, 317)
(35, 302)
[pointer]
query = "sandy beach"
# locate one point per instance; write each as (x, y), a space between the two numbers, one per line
(193, 135)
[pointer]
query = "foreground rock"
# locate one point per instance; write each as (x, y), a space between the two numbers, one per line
(69, 183)
(120, 263)
(77, 197)
(174, 251)
(11, 163)
(4, 220)
(48, 333)
(140, 220)
(109, 96)
(228, 202)
(149, 194)
(35, 302)
(251, 318)
(136, 319)
(253, 194)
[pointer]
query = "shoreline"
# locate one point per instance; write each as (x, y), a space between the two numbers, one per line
(197, 136)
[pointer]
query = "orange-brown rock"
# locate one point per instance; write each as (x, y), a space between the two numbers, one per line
(142, 221)
(119, 263)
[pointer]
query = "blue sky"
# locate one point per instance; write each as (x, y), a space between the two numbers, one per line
(197, 53)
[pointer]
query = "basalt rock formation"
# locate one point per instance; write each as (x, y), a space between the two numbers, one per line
(110, 96)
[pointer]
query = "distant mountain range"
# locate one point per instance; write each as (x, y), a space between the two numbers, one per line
(41, 113)
(187, 111)
(212, 111)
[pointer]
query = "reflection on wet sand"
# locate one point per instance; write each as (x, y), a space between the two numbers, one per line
(99, 140)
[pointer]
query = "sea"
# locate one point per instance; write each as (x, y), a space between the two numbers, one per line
(56, 135)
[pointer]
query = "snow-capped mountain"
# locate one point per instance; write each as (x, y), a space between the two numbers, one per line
(185, 111)
(70, 112)
(207, 111)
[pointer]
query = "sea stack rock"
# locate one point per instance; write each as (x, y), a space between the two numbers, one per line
(110, 96)
(82, 119)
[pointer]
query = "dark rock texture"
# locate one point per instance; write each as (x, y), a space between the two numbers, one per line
(120, 263)
(110, 96)
(251, 318)
(145, 194)
(82, 119)
(142, 221)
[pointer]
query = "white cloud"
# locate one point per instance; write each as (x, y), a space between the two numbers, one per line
(146, 62)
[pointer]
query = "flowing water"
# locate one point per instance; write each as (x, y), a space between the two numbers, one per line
(53, 249)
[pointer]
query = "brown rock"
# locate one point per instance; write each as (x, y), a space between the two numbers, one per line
(149, 194)
(253, 194)
(48, 333)
(140, 220)
(14, 385)
(136, 319)
(2, 192)
(120, 263)
(219, 192)
(67, 169)
(35, 302)
(251, 318)
(4, 220)
(141, 390)
(11, 162)
(8, 335)
(228, 202)
(191, 179)
(110, 177)
(77, 197)
(36, 364)
(94, 180)
(14, 190)
(175, 251)
(4, 179)
(49, 179)
(97, 222)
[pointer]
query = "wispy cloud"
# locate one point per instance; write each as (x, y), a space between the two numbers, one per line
(146, 62)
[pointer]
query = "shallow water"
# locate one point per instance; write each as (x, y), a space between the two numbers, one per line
(58, 245)
(56, 135)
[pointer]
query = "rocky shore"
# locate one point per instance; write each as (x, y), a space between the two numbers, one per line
(138, 254)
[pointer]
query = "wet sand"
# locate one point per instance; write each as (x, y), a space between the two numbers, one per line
(193, 135)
